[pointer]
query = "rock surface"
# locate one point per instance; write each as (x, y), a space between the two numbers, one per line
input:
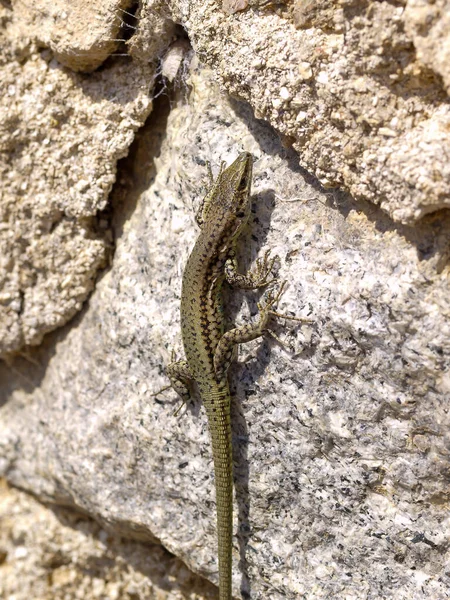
(81, 34)
(61, 135)
(346, 86)
(356, 88)
(341, 443)
(428, 25)
(52, 553)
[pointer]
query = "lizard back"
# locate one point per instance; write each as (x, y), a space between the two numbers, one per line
(225, 211)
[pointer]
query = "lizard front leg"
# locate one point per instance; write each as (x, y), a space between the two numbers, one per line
(224, 351)
(256, 278)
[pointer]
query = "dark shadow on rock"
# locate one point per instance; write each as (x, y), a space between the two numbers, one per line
(430, 235)
(241, 470)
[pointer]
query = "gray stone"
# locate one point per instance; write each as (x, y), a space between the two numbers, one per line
(61, 135)
(341, 437)
(341, 442)
(346, 85)
(49, 552)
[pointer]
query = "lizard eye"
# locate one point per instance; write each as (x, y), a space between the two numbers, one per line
(240, 214)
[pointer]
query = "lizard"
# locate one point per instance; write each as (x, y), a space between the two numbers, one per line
(222, 216)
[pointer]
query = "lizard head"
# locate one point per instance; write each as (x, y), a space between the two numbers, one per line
(227, 205)
(235, 185)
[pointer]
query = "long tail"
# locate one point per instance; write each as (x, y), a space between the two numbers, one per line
(218, 412)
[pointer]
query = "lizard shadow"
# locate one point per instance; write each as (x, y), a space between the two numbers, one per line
(244, 378)
(242, 389)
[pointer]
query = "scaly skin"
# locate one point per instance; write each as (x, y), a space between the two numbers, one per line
(208, 350)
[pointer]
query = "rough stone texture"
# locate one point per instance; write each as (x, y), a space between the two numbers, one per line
(61, 135)
(341, 444)
(428, 25)
(56, 554)
(355, 86)
(154, 28)
(81, 34)
(347, 89)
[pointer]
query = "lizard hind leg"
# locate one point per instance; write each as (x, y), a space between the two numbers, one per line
(239, 335)
(180, 380)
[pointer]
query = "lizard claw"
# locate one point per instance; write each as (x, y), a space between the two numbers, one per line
(271, 299)
(264, 268)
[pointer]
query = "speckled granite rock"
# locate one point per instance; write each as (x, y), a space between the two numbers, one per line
(61, 135)
(56, 554)
(346, 86)
(341, 443)
(358, 89)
